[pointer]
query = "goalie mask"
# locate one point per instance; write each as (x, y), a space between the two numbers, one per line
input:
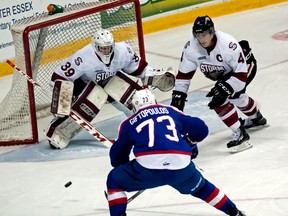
(142, 98)
(103, 44)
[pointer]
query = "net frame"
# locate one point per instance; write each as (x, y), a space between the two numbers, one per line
(24, 60)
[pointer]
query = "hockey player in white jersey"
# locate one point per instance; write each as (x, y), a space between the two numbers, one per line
(220, 58)
(90, 77)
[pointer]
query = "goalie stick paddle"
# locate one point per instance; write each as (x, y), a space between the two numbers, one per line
(73, 114)
(131, 198)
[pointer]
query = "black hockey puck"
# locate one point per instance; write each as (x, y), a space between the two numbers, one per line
(68, 184)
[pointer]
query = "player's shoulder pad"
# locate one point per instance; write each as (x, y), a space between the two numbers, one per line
(125, 124)
(190, 49)
(83, 53)
(227, 42)
(191, 44)
(86, 50)
(85, 58)
(123, 48)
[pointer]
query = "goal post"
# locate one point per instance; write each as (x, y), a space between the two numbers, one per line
(42, 42)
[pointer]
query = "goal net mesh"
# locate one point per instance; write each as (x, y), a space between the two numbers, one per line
(50, 39)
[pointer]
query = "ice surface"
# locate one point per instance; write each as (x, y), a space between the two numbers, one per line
(32, 178)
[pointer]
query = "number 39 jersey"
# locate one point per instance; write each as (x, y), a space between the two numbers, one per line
(86, 65)
(155, 133)
(226, 59)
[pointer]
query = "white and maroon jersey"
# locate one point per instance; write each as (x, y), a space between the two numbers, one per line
(226, 60)
(86, 65)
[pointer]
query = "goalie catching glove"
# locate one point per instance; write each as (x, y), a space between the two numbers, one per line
(161, 79)
(219, 93)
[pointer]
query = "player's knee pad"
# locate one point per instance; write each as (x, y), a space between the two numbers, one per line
(87, 105)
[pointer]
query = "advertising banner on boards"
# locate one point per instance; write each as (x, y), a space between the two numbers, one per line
(15, 11)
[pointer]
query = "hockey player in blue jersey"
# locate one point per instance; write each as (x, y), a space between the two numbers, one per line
(162, 139)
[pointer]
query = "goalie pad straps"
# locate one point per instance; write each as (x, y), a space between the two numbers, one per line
(88, 104)
(62, 97)
(121, 88)
(163, 80)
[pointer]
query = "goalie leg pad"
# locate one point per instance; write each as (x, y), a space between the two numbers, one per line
(61, 130)
(90, 101)
(88, 104)
(121, 88)
(62, 97)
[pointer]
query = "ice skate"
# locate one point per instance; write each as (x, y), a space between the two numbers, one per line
(258, 121)
(233, 211)
(52, 146)
(240, 140)
(239, 213)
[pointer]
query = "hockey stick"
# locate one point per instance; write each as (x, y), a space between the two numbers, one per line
(73, 114)
(135, 195)
(131, 198)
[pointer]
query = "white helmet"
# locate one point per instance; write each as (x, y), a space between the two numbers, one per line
(103, 44)
(142, 98)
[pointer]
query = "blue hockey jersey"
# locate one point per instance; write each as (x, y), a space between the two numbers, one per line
(155, 133)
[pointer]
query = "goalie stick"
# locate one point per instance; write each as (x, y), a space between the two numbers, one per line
(73, 114)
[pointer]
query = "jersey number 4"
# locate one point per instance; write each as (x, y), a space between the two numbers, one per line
(170, 125)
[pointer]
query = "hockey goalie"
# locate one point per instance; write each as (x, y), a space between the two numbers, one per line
(93, 75)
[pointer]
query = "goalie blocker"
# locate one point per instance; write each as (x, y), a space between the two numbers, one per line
(88, 104)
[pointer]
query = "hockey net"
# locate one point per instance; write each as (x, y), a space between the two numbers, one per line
(42, 42)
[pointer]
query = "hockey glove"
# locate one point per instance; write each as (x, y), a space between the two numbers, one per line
(219, 93)
(194, 151)
(193, 145)
(178, 99)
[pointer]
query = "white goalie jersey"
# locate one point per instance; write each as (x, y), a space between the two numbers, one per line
(86, 65)
(100, 82)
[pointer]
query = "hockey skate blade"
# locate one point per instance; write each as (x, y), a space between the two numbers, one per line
(258, 127)
(243, 146)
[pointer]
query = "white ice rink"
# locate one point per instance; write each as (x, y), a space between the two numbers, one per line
(32, 178)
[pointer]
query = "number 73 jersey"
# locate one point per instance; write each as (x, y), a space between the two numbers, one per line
(226, 57)
(155, 133)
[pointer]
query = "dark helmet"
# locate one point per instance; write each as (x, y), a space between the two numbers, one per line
(202, 24)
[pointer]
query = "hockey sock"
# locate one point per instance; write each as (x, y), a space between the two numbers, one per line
(117, 201)
(213, 196)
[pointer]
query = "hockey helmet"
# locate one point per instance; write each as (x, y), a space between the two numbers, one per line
(142, 98)
(203, 24)
(103, 44)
